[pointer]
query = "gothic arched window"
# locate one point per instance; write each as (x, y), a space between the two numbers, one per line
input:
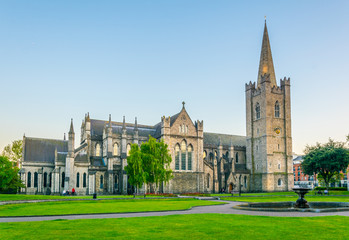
(204, 155)
(29, 182)
(208, 180)
(116, 149)
(183, 155)
(190, 149)
(98, 150)
(236, 157)
(63, 179)
(84, 180)
(177, 157)
(35, 179)
(78, 180)
(245, 182)
(101, 182)
(128, 149)
(279, 182)
(50, 179)
(116, 184)
(258, 111)
(45, 179)
(277, 109)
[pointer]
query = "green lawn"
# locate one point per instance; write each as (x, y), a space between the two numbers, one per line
(102, 206)
(279, 193)
(16, 197)
(196, 226)
(13, 197)
(290, 198)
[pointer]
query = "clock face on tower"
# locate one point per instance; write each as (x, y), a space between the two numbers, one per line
(277, 131)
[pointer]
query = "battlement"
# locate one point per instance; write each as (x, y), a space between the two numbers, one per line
(250, 86)
(277, 89)
(165, 121)
(285, 82)
(265, 78)
(199, 125)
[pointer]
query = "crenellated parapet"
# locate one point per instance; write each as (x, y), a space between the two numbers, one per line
(199, 125)
(265, 78)
(285, 82)
(250, 86)
(165, 125)
(276, 89)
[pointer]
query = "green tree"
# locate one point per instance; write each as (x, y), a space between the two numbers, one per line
(156, 162)
(337, 176)
(149, 164)
(327, 160)
(134, 168)
(13, 152)
(9, 178)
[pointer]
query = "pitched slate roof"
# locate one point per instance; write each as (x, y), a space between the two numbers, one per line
(97, 127)
(226, 139)
(43, 150)
(81, 157)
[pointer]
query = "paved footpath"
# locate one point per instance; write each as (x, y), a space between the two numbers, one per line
(223, 209)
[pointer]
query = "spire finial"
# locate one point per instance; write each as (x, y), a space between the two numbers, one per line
(183, 104)
(266, 65)
(109, 120)
(123, 124)
(136, 125)
(64, 138)
(265, 18)
(71, 127)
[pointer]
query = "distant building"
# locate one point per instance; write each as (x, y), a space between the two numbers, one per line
(202, 161)
(303, 180)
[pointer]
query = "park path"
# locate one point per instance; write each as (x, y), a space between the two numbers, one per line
(222, 209)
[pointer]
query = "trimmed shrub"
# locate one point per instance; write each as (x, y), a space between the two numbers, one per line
(197, 194)
(332, 188)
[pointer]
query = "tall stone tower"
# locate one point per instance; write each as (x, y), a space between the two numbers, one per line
(268, 127)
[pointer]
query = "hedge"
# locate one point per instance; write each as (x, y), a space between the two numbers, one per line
(332, 188)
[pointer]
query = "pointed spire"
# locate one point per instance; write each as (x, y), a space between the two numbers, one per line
(266, 65)
(88, 116)
(136, 125)
(109, 120)
(71, 127)
(64, 138)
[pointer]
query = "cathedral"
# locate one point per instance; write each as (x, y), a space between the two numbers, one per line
(202, 162)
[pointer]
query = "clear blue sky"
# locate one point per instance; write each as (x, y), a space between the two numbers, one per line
(61, 59)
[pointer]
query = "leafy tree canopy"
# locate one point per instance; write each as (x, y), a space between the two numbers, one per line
(13, 151)
(149, 164)
(9, 178)
(134, 167)
(326, 160)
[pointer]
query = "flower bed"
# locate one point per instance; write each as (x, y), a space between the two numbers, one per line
(197, 194)
(161, 195)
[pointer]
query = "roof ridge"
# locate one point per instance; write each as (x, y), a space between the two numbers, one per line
(52, 139)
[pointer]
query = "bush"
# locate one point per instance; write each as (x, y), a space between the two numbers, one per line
(197, 194)
(332, 188)
(161, 195)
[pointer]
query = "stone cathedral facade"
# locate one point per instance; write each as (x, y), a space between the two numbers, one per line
(201, 161)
